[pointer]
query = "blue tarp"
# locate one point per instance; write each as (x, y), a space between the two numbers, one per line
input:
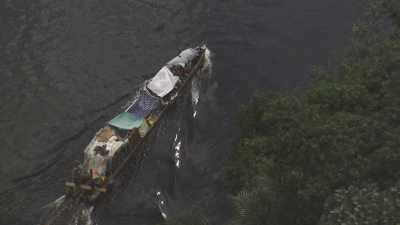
(144, 105)
(126, 121)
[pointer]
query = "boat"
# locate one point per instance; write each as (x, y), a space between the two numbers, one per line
(120, 142)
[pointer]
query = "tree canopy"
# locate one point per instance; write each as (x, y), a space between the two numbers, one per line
(337, 141)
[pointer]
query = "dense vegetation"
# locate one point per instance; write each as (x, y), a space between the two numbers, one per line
(331, 155)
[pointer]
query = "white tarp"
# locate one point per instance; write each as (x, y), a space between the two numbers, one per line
(178, 61)
(163, 82)
(184, 57)
(188, 54)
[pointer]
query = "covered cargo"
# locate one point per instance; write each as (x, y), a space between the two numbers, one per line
(126, 121)
(184, 58)
(163, 82)
(144, 105)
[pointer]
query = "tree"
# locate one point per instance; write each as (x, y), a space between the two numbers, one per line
(343, 131)
(368, 205)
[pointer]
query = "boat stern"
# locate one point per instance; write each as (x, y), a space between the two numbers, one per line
(83, 191)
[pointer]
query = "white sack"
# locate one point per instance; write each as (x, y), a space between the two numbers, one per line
(183, 58)
(163, 82)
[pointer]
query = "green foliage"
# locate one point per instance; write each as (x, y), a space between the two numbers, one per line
(342, 131)
(368, 205)
(255, 207)
(392, 8)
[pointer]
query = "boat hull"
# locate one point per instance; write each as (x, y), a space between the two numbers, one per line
(131, 154)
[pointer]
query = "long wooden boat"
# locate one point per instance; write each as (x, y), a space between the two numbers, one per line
(120, 142)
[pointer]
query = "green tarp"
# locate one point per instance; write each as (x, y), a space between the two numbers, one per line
(126, 121)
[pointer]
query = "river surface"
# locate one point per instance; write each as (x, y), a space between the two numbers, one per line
(67, 66)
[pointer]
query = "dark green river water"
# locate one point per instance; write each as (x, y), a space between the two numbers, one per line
(68, 66)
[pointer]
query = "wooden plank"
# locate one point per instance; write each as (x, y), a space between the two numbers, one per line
(70, 184)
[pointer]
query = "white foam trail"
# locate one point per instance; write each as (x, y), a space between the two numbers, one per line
(178, 155)
(83, 216)
(88, 214)
(56, 203)
(161, 204)
(195, 95)
(68, 212)
(177, 148)
(205, 72)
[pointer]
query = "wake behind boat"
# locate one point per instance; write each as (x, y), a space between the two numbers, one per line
(121, 139)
